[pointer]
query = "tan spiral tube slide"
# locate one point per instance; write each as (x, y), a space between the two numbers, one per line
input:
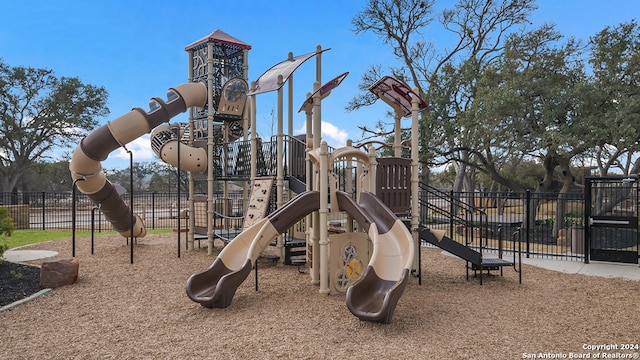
(96, 147)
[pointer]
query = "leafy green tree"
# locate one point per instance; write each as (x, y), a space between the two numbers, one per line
(535, 95)
(151, 176)
(615, 59)
(165, 179)
(46, 176)
(142, 172)
(161, 181)
(537, 92)
(40, 112)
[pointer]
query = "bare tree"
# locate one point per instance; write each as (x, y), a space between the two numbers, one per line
(395, 22)
(479, 28)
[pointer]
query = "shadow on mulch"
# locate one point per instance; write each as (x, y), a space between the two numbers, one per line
(17, 281)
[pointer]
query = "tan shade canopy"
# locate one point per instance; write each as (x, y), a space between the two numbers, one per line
(269, 80)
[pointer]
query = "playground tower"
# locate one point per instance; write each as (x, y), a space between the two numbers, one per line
(221, 62)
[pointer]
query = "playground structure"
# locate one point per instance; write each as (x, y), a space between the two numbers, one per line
(388, 270)
(373, 192)
(393, 245)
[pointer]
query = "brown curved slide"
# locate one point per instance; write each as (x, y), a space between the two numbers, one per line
(96, 147)
(373, 298)
(216, 286)
(375, 295)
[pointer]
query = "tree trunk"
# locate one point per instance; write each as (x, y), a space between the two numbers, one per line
(9, 182)
(461, 170)
(563, 197)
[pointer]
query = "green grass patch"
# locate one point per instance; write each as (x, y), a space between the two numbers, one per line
(26, 237)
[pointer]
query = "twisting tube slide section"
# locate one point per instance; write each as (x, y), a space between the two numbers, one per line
(96, 147)
(165, 142)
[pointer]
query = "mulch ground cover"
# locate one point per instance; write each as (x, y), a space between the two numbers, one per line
(17, 282)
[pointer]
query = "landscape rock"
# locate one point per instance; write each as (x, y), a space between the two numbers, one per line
(59, 272)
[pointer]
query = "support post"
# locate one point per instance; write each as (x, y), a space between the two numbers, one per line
(254, 139)
(280, 164)
(308, 182)
(290, 101)
(191, 222)
(324, 234)
(210, 145)
(349, 189)
(246, 125)
(179, 194)
(397, 130)
(371, 169)
(317, 137)
(73, 215)
(415, 164)
(130, 198)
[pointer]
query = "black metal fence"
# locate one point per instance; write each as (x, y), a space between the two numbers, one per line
(549, 227)
(53, 211)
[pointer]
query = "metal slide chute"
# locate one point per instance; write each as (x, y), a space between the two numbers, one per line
(85, 162)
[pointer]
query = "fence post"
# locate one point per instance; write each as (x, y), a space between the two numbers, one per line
(153, 210)
(93, 227)
(587, 216)
(43, 210)
(527, 218)
(451, 210)
(73, 215)
(179, 193)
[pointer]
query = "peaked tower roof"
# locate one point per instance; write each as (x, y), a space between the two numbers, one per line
(221, 37)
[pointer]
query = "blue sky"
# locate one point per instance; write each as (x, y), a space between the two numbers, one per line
(135, 49)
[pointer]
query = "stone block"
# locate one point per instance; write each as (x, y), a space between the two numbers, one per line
(59, 272)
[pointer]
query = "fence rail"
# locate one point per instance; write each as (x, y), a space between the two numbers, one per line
(534, 213)
(53, 211)
(548, 228)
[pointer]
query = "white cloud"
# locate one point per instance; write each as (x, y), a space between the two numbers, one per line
(334, 136)
(140, 147)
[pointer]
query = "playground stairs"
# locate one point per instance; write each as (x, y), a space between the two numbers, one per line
(295, 247)
(471, 232)
(295, 251)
